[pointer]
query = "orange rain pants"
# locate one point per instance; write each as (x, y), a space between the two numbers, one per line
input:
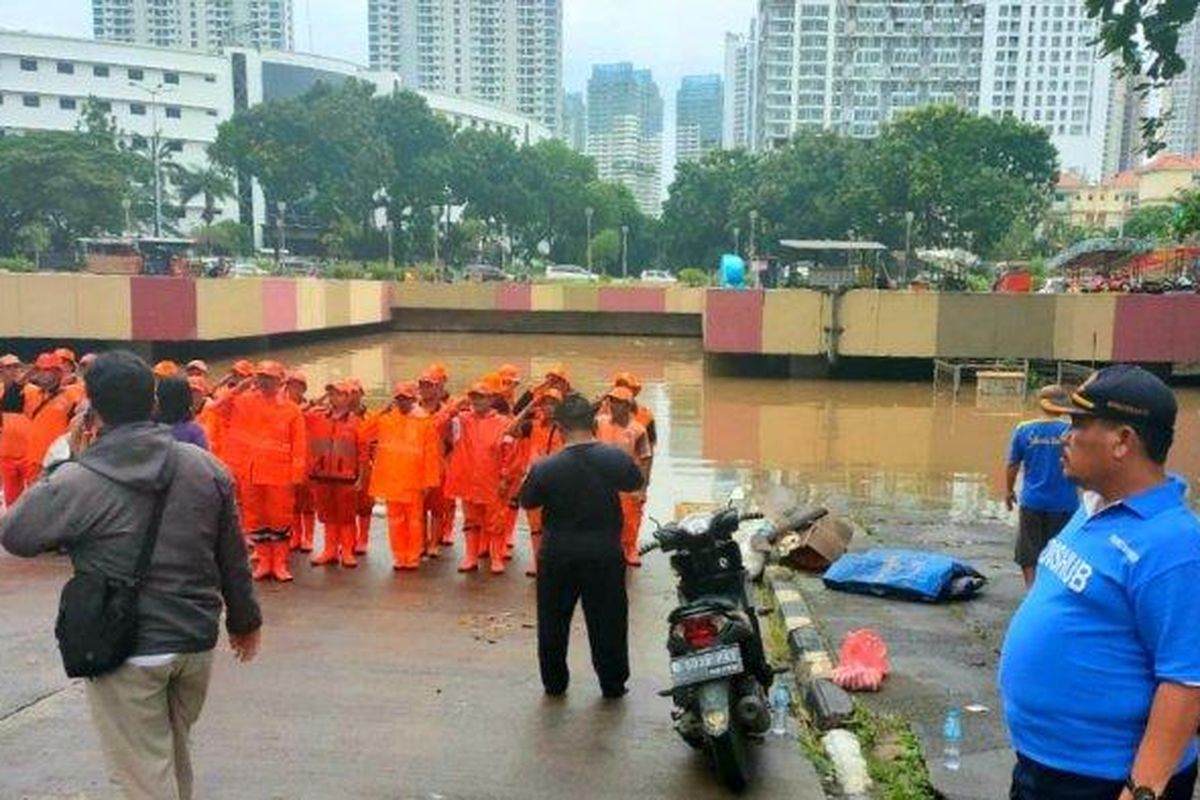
(483, 529)
(337, 506)
(632, 506)
(406, 531)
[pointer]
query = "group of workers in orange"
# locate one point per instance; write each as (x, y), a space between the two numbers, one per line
(297, 460)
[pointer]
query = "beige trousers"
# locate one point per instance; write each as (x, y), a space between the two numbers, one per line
(144, 716)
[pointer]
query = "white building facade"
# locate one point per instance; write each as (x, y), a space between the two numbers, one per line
(197, 24)
(1182, 97)
(625, 129)
(504, 52)
(184, 96)
(741, 72)
(853, 66)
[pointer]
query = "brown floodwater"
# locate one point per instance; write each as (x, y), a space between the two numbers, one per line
(849, 444)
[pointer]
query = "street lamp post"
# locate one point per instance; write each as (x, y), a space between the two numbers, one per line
(156, 150)
(625, 251)
(588, 212)
(753, 226)
(908, 220)
(127, 204)
(391, 235)
(737, 241)
(280, 232)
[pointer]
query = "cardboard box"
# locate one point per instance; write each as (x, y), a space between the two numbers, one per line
(815, 549)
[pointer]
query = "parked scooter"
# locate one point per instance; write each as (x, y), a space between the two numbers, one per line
(719, 670)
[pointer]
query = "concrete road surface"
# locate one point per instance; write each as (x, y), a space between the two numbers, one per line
(380, 685)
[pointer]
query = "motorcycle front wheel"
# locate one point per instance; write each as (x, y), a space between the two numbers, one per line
(728, 755)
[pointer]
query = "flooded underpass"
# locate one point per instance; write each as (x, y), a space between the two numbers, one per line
(383, 685)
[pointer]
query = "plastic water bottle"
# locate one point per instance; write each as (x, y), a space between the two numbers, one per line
(781, 702)
(952, 734)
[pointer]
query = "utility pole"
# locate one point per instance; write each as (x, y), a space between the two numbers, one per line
(588, 212)
(280, 232)
(156, 148)
(908, 219)
(625, 252)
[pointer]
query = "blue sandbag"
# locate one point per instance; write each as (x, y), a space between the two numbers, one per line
(905, 574)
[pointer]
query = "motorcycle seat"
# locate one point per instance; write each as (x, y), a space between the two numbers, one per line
(704, 605)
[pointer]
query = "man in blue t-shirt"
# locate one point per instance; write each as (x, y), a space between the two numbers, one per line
(1048, 498)
(1100, 671)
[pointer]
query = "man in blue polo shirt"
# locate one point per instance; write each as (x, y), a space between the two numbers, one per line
(1100, 671)
(1048, 497)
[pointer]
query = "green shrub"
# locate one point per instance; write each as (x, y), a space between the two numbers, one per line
(16, 264)
(693, 276)
(345, 272)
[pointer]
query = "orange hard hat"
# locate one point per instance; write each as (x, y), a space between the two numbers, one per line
(197, 365)
(9, 360)
(242, 368)
(481, 388)
(66, 354)
(199, 384)
(629, 380)
(405, 389)
(48, 361)
(271, 369)
(296, 376)
(621, 393)
(166, 369)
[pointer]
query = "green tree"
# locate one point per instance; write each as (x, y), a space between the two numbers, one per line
(211, 183)
(705, 203)
(1150, 222)
(606, 251)
(33, 238)
(227, 238)
(1185, 222)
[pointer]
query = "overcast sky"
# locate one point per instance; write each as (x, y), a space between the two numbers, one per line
(672, 37)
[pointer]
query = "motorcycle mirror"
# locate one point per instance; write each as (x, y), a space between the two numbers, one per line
(653, 519)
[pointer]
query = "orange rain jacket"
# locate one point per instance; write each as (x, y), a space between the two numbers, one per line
(50, 417)
(477, 458)
(333, 447)
(265, 439)
(408, 455)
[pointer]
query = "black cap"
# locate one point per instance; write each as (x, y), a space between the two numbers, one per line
(1123, 393)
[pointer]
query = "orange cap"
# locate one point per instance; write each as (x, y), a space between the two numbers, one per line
(198, 365)
(355, 385)
(48, 361)
(629, 380)
(558, 371)
(428, 377)
(199, 384)
(495, 382)
(621, 393)
(9, 361)
(242, 368)
(509, 371)
(166, 369)
(271, 369)
(550, 394)
(298, 377)
(66, 354)
(405, 389)
(438, 372)
(480, 388)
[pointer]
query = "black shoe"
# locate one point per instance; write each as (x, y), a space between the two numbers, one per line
(555, 692)
(614, 694)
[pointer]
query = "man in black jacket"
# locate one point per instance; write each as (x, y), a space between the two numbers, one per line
(581, 557)
(98, 509)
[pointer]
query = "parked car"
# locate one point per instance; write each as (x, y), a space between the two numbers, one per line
(484, 273)
(570, 272)
(657, 276)
(247, 269)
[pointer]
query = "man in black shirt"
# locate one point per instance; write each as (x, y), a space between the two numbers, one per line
(581, 556)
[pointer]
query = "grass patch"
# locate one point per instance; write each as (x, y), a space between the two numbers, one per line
(893, 755)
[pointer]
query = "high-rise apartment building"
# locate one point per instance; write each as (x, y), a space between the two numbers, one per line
(1123, 130)
(699, 113)
(504, 52)
(741, 72)
(574, 125)
(1182, 97)
(196, 24)
(853, 66)
(625, 124)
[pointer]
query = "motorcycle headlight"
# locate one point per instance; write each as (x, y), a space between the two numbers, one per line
(716, 722)
(696, 524)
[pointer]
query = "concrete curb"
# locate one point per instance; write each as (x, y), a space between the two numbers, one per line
(813, 663)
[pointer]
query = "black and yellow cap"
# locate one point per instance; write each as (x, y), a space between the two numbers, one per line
(1123, 393)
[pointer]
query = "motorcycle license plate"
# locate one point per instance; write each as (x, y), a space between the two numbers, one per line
(707, 665)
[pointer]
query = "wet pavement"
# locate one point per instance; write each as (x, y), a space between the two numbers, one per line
(378, 685)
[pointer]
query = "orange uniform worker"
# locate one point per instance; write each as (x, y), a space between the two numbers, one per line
(475, 463)
(50, 406)
(335, 469)
(641, 412)
(305, 520)
(537, 436)
(203, 412)
(231, 450)
(366, 503)
(270, 434)
(407, 465)
(620, 429)
(14, 429)
(515, 457)
(439, 507)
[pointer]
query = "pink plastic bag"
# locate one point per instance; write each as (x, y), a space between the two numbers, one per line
(863, 662)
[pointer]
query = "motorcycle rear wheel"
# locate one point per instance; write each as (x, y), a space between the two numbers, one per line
(727, 753)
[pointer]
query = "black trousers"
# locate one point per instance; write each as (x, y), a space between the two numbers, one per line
(599, 581)
(1035, 781)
